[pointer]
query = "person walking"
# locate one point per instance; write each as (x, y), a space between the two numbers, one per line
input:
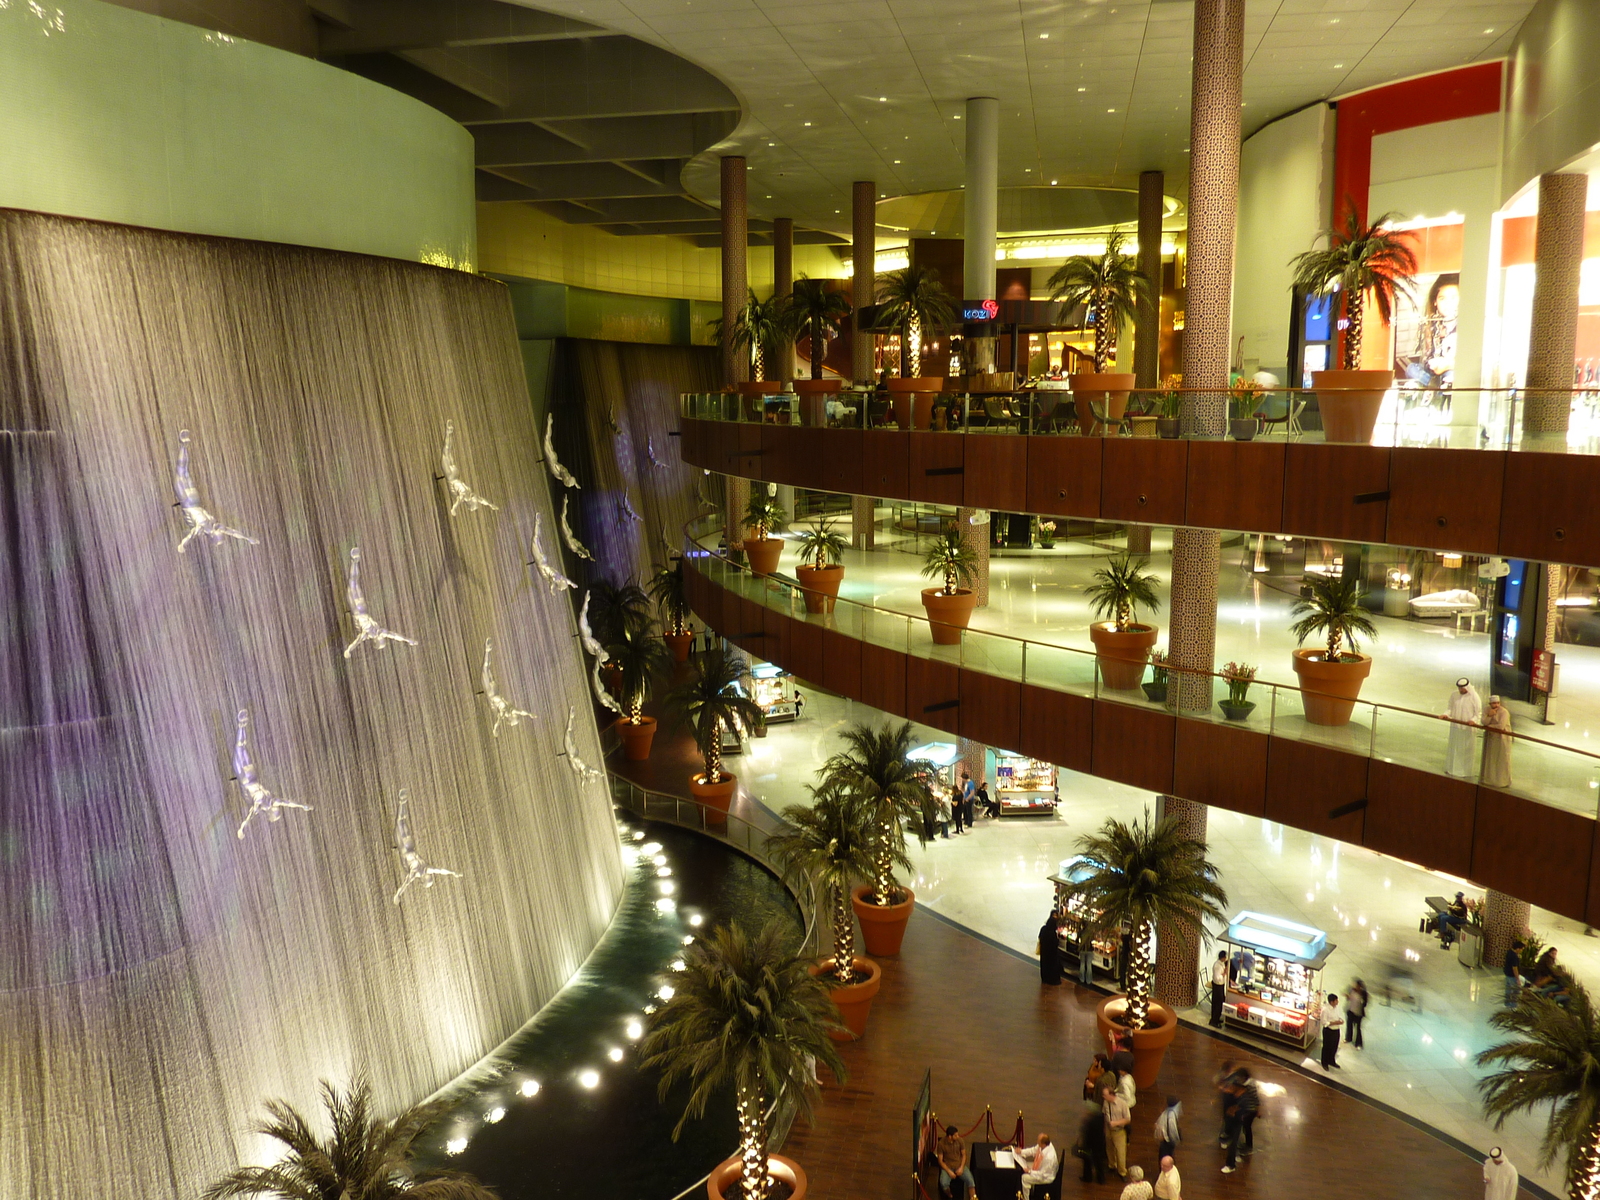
(1355, 1008)
(1169, 1184)
(1168, 1135)
(1332, 1022)
(1513, 970)
(1219, 987)
(1220, 1081)
(1138, 1186)
(1117, 1117)
(1092, 1142)
(1050, 951)
(1499, 1177)
(1247, 1103)
(969, 792)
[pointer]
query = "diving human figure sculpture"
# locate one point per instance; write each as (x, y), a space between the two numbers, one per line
(504, 713)
(557, 581)
(459, 489)
(200, 521)
(367, 630)
(262, 802)
(417, 871)
(581, 769)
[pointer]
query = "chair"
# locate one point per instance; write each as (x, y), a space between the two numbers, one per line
(1123, 424)
(1290, 419)
(997, 411)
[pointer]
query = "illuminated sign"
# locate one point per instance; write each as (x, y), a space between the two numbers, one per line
(988, 310)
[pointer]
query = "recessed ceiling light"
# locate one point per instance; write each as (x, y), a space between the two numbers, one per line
(1489, 30)
(1044, 37)
(1335, 21)
(1111, 110)
(769, 197)
(1338, 66)
(1083, 89)
(808, 124)
(837, 211)
(1052, 183)
(896, 163)
(883, 99)
(1027, 170)
(958, 116)
(772, 143)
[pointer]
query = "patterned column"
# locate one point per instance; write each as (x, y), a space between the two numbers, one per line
(782, 286)
(1553, 573)
(1213, 210)
(737, 498)
(1553, 330)
(1178, 951)
(1138, 539)
(974, 526)
(1504, 917)
(863, 249)
(1147, 322)
(863, 515)
(735, 274)
(1192, 638)
(974, 761)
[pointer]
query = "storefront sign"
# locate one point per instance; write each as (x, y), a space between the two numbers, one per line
(988, 310)
(1544, 662)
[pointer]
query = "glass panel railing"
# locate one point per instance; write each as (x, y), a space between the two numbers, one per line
(992, 654)
(1058, 668)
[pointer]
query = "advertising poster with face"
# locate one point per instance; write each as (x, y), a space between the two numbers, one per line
(1425, 326)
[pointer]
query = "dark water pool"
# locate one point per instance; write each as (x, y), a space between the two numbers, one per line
(594, 1126)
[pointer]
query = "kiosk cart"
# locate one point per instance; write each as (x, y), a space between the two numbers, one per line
(938, 760)
(1106, 948)
(1025, 787)
(1275, 978)
(773, 691)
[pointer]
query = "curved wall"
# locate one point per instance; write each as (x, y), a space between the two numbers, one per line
(1552, 91)
(162, 975)
(119, 116)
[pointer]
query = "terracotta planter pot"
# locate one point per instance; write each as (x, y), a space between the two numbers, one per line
(854, 1001)
(1109, 391)
(761, 387)
(913, 400)
(636, 739)
(882, 929)
(948, 615)
(1329, 689)
(821, 587)
(763, 555)
(717, 797)
(724, 1179)
(1349, 401)
(1122, 655)
(822, 387)
(680, 645)
(1149, 1044)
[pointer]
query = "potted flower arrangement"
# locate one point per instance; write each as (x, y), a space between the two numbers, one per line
(820, 550)
(1046, 529)
(1238, 677)
(1156, 688)
(1122, 645)
(1242, 404)
(640, 658)
(1169, 407)
(761, 516)
(715, 697)
(1110, 287)
(666, 588)
(949, 606)
(1330, 681)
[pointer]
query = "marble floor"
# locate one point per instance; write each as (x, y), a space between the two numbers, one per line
(1418, 1057)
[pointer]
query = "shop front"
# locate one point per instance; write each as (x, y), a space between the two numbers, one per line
(1025, 787)
(774, 692)
(1275, 978)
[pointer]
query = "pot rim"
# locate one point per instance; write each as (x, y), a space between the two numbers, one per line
(940, 592)
(1135, 627)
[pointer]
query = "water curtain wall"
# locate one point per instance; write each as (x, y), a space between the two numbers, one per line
(162, 976)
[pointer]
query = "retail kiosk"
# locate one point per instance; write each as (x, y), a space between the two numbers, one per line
(1107, 945)
(938, 760)
(774, 692)
(1025, 787)
(1275, 971)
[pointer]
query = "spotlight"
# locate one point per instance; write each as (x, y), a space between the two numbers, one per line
(530, 1087)
(635, 1030)
(667, 887)
(677, 964)
(688, 940)
(614, 1054)
(666, 992)
(663, 872)
(638, 835)
(494, 1114)
(651, 847)
(696, 920)
(659, 860)
(455, 1145)
(666, 905)
(589, 1078)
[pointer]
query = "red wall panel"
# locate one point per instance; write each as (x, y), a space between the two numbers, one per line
(991, 710)
(931, 456)
(1145, 480)
(996, 472)
(885, 454)
(1224, 766)
(1311, 786)
(1236, 485)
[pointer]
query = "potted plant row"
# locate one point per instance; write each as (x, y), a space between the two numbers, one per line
(949, 606)
(1122, 644)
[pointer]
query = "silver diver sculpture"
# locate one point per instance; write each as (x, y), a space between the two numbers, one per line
(504, 713)
(552, 575)
(262, 802)
(367, 630)
(601, 692)
(650, 449)
(462, 491)
(417, 871)
(200, 521)
(571, 538)
(581, 769)
(561, 474)
(627, 510)
(586, 633)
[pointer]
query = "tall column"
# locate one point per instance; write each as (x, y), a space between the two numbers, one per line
(974, 760)
(981, 197)
(1147, 321)
(974, 526)
(1553, 329)
(863, 253)
(783, 286)
(863, 517)
(736, 498)
(1192, 637)
(1178, 952)
(735, 274)
(1504, 917)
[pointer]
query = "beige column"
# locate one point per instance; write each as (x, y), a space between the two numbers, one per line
(864, 248)
(1553, 328)
(735, 268)
(1504, 917)
(1192, 635)
(736, 498)
(783, 287)
(1177, 951)
(974, 526)
(1147, 321)
(863, 517)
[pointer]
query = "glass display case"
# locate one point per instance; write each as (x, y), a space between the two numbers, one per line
(937, 760)
(1025, 787)
(1106, 948)
(773, 690)
(1275, 977)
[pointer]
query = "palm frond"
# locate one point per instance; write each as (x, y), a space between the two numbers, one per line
(1333, 608)
(1123, 587)
(949, 557)
(714, 697)
(822, 545)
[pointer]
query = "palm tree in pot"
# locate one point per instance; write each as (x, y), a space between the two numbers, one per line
(1111, 287)
(1360, 260)
(1330, 681)
(954, 563)
(820, 548)
(913, 300)
(830, 845)
(616, 608)
(745, 1012)
(758, 327)
(875, 773)
(762, 516)
(715, 697)
(1141, 876)
(363, 1155)
(1122, 645)
(815, 312)
(639, 658)
(672, 601)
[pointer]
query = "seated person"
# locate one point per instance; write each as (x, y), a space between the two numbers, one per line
(1040, 1163)
(953, 1165)
(1452, 920)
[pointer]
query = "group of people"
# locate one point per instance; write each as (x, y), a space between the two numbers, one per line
(1542, 978)
(1343, 1022)
(962, 804)
(1467, 713)
(1109, 1098)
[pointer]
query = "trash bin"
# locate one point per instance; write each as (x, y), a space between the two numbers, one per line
(1469, 947)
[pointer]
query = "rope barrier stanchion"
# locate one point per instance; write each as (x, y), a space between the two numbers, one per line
(986, 1117)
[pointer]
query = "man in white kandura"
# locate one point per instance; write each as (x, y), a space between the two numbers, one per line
(200, 521)
(462, 492)
(504, 713)
(261, 801)
(367, 630)
(1465, 709)
(416, 869)
(1499, 1177)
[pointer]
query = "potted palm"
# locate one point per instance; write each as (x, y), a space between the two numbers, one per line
(875, 775)
(1330, 680)
(1156, 688)
(1238, 706)
(715, 697)
(1110, 287)
(758, 327)
(1550, 1060)
(821, 548)
(744, 1012)
(913, 300)
(828, 844)
(1139, 877)
(363, 1155)
(1122, 644)
(1169, 408)
(815, 312)
(761, 516)
(1359, 261)
(949, 606)
(640, 658)
(666, 588)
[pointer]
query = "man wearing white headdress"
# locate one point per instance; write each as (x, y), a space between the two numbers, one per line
(1464, 711)
(1499, 1177)
(1497, 745)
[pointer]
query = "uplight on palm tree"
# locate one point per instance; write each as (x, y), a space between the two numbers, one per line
(1333, 609)
(641, 658)
(827, 844)
(757, 327)
(1109, 285)
(875, 772)
(744, 1012)
(816, 312)
(1141, 875)
(1359, 261)
(950, 560)
(913, 300)
(716, 696)
(667, 590)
